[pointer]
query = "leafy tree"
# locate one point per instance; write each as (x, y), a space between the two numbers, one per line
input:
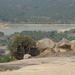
(19, 44)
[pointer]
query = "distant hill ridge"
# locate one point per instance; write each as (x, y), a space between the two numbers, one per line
(37, 11)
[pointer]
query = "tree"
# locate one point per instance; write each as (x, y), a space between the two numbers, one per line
(20, 44)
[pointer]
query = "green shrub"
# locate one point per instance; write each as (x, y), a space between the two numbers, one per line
(6, 58)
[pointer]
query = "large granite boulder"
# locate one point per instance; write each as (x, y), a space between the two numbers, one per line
(44, 44)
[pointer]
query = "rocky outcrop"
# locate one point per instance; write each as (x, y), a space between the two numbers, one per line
(44, 44)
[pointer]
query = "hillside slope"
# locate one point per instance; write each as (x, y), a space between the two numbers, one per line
(37, 11)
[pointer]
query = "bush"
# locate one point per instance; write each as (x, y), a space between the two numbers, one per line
(6, 58)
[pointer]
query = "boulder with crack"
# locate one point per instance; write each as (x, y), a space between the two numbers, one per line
(62, 46)
(44, 44)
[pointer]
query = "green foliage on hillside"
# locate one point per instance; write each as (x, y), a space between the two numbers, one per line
(37, 35)
(37, 11)
(54, 35)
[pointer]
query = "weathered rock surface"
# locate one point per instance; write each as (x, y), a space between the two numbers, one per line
(64, 43)
(44, 44)
(63, 46)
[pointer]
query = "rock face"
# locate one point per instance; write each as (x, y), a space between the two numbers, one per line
(44, 44)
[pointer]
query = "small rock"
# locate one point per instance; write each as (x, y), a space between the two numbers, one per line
(27, 56)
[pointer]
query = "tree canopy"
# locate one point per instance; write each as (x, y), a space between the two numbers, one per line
(21, 42)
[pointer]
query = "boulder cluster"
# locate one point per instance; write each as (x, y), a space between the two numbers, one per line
(47, 46)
